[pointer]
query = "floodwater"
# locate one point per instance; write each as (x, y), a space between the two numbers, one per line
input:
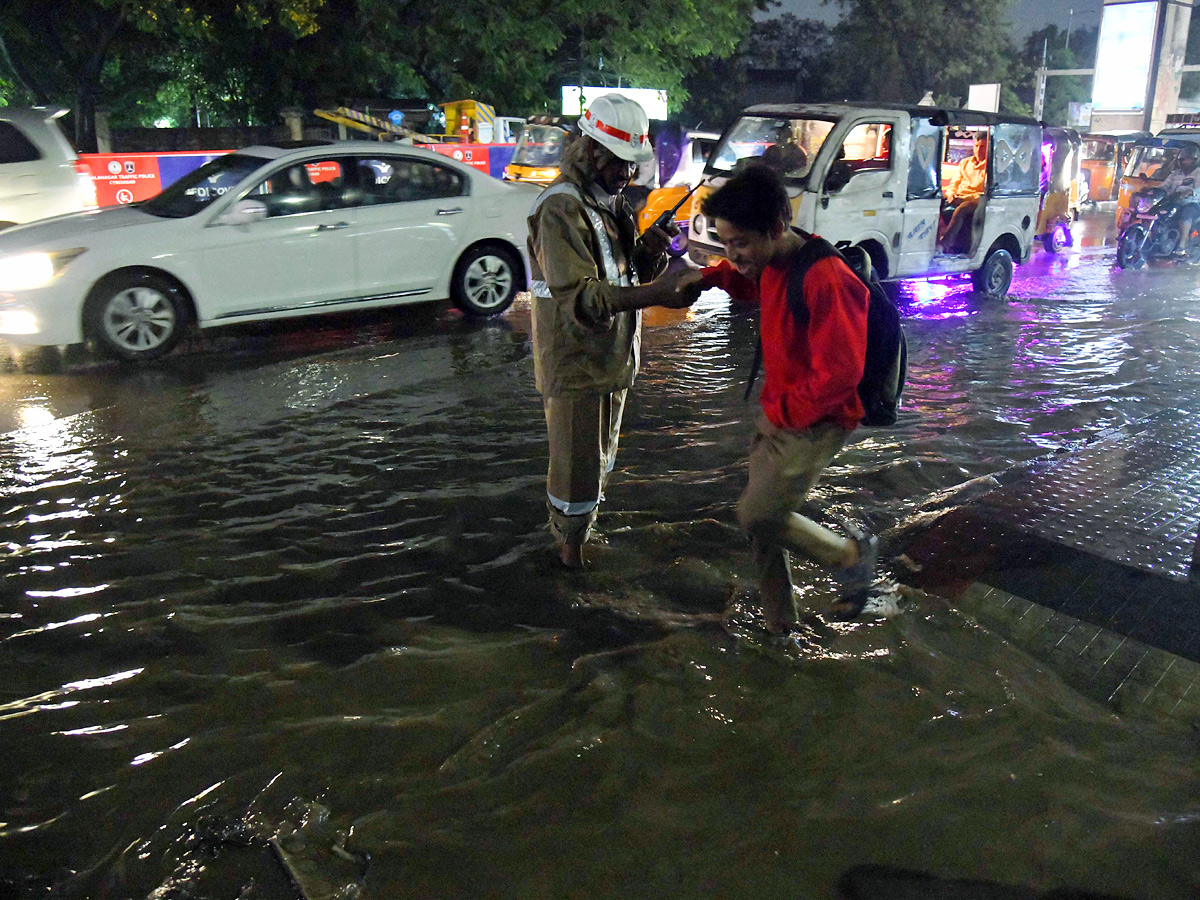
(305, 612)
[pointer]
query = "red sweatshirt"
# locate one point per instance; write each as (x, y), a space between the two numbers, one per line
(810, 373)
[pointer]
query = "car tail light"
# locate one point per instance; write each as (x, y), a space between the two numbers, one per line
(87, 187)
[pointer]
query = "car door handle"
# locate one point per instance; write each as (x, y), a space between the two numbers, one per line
(452, 211)
(333, 226)
(887, 194)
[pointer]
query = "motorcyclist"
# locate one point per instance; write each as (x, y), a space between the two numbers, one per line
(1184, 182)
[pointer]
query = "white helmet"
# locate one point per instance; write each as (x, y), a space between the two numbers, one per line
(620, 124)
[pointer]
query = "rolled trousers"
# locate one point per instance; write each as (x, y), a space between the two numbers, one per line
(784, 466)
(583, 430)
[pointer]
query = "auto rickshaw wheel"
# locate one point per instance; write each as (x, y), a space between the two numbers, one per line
(993, 278)
(1056, 241)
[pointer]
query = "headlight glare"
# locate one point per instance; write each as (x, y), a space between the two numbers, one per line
(18, 321)
(33, 270)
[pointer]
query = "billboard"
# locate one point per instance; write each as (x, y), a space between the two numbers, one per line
(576, 99)
(1123, 56)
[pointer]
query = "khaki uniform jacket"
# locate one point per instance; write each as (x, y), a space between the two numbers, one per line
(581, 341)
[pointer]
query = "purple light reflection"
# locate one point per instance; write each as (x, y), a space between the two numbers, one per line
(943, 297)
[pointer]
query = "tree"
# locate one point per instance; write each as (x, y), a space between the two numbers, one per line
(896, 50)
(58, 50)
(721, 87)
(1048, 47)
(535, 46)
(247, 59)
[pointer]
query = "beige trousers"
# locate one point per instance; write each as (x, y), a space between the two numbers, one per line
(784, 466)
(583, 430)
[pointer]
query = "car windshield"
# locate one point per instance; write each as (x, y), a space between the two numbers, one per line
(788, 144)
(539, 145)
(196, 190)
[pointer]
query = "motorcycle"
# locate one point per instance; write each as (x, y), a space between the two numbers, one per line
(1153, 231)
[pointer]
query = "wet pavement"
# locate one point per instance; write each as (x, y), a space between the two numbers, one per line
(280, 612)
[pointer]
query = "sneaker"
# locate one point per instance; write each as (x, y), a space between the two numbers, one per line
(849, 606)
(860, 576)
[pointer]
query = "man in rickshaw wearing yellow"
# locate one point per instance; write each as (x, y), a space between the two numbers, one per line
(963, 192)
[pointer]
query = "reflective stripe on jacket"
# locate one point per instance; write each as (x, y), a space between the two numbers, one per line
(581, 252)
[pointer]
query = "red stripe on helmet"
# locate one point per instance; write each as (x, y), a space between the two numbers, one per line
(615, 132)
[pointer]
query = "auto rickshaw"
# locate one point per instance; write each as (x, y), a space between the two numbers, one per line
(1104, 158)
(854, 185)
(681, 156)
(1150, 162)
(539, 149)
(1061, 182)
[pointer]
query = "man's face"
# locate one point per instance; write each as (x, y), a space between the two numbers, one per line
(612, 173)
(1188, 163)
(749, 251)
(981, 146)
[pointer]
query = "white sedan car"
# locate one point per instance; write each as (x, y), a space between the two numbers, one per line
(266, 233)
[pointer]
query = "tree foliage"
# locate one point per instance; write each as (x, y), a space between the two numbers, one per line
(1050, 47)
(783, 45)
(248, 59)
(59, 50)
(896, 50)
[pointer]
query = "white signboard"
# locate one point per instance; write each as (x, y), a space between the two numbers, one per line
(1123, 56)
(575, 99)
(984, 97)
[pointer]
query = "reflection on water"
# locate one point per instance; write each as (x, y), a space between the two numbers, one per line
(303, 614)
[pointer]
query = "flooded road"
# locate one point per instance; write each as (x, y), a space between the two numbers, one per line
(288, 602)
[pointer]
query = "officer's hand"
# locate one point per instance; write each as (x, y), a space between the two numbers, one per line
(656, 239)
(679, 289)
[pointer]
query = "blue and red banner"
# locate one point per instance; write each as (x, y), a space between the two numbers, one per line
(128, 177)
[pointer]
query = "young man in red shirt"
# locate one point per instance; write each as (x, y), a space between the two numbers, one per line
(812, 362)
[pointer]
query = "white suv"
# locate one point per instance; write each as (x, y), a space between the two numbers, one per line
(40, 175)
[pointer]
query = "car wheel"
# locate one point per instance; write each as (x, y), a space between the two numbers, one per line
(1129, 253)
(136, 317)
(485, 281)
(995, 275)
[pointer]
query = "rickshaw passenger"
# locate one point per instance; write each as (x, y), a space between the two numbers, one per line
(962, 197)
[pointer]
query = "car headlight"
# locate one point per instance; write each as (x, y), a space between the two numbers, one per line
(18, 321)
(32, 270)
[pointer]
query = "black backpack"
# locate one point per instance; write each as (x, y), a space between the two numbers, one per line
(886, 366)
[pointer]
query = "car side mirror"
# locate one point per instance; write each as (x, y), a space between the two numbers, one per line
(244, 212)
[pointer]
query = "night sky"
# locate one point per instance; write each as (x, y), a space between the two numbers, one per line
(1027, 15)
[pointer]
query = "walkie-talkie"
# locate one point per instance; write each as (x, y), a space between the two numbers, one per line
(669, 216)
